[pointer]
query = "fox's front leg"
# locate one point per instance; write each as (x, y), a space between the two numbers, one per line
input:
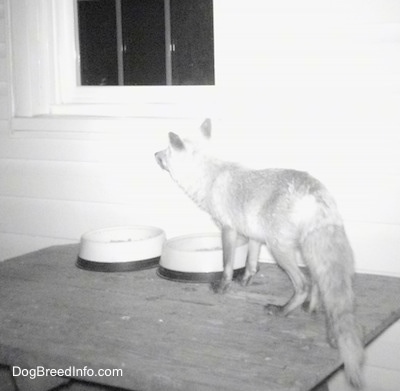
(229, 237)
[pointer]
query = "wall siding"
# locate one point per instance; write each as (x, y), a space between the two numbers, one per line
(54, 188)
(4, 68)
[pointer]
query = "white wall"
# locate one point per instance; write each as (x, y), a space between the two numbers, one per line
(310, 84)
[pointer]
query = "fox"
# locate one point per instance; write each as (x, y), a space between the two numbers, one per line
(295, 216)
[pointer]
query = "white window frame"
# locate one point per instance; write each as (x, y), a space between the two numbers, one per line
(45, 85)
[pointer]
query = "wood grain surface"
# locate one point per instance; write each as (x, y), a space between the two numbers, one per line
(167, 335)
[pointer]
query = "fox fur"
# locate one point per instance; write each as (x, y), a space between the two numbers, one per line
(295, 216)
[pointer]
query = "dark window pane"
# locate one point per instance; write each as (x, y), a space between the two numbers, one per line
(193, 39)
(97, 39)
(143, 30)
(127, 45)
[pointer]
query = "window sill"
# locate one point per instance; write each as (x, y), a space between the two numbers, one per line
(77, 126)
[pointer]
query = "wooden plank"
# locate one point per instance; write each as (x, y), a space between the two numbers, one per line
(65, 219)
(125, 180)
(4, 130)
(13, 245)
(76, 181)
(167, 335)
(120, 182)
(5, 107)
(3, 23)
(376, 247)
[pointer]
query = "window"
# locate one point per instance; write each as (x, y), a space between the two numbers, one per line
(146, 42)
(47, 75)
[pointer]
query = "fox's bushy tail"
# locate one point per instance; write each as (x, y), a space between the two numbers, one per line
(329, 256)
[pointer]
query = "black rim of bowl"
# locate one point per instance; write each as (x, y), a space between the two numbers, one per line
(175, 275)
(117, 266)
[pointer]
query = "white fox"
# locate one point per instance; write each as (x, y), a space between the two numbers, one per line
(295, 216)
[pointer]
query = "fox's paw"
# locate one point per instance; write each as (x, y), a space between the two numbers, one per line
(246, 279)
(221, 286)
(313, 302)
(273, 309)
(331, 338)
(310, 307)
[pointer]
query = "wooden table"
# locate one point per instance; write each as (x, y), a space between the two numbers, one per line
(167, 335)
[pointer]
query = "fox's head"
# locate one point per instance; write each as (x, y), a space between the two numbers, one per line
(181, 155)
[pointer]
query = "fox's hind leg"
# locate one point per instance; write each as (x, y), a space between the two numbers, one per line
(251, 262)
(286, 258)
(229, 237)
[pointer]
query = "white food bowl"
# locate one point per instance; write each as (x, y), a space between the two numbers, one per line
(121, 248)
(198, 258)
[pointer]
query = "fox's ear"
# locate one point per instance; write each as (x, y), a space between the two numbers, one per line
(176, 141)
(206, 128)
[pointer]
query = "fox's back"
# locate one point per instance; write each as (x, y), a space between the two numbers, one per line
(269, 202)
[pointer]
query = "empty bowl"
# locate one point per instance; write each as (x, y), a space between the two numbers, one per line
(121, 248)
(198, 258)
